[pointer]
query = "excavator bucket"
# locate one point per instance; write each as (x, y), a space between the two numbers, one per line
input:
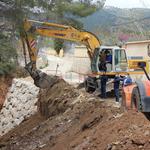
(41, 79)
(44, 81)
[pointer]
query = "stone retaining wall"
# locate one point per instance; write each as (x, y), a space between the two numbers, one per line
(20, 103)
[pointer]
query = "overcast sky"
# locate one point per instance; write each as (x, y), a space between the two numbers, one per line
(128, 3)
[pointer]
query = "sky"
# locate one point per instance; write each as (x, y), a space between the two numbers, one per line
(128, 3)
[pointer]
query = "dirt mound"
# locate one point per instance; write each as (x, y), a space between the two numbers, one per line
(113, 132)
(77, 121)
(56, 99)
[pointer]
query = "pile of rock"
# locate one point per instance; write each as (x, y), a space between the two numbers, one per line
(20, 103)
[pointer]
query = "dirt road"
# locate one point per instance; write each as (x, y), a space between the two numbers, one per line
(75, 120)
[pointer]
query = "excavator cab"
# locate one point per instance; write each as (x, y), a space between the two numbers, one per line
(110, 60)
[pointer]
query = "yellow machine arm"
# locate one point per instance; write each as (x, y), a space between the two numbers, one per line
(32, 28)
(47, 29)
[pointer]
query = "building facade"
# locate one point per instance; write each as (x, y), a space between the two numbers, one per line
(138, 49)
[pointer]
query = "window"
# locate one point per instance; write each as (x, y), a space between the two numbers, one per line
(120, 60)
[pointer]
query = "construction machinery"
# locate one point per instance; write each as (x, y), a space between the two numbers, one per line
(118, 64)
(136, 95)
(33, 28)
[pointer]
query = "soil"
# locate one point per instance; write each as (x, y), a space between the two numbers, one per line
(76, 120)
(5, 83)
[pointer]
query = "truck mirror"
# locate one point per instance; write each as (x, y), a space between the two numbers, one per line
(142, 64)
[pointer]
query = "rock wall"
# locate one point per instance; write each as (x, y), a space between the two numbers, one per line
(20, 103)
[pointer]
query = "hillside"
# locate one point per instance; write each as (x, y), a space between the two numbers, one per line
(114, 25)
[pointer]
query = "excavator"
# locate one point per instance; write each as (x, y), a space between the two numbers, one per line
(32, 29)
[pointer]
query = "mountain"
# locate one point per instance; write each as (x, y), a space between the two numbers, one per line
(114, 25)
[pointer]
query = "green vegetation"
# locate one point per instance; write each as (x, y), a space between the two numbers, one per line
(117, 26)
(58, 44)
(12, 13)
(67, 11)
(8, 56)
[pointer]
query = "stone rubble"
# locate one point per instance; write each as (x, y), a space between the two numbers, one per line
(20, 103)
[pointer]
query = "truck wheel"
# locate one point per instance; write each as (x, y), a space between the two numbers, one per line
(88, 88)
(135, 99)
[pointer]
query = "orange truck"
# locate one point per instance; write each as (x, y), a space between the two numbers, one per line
(137, 95)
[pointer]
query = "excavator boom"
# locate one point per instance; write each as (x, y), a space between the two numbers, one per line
(64, 32)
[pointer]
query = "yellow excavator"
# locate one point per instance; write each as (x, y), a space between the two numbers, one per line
(32, 28)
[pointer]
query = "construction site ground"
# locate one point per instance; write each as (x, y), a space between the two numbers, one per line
(75, 120)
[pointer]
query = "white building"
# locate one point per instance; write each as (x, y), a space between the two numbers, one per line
(138, 49)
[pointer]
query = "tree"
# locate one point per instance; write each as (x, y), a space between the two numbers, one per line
(17, 10)
(67, 11)
(60, 11)
(8, 56)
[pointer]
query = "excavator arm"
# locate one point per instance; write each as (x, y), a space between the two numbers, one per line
(32, 28)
